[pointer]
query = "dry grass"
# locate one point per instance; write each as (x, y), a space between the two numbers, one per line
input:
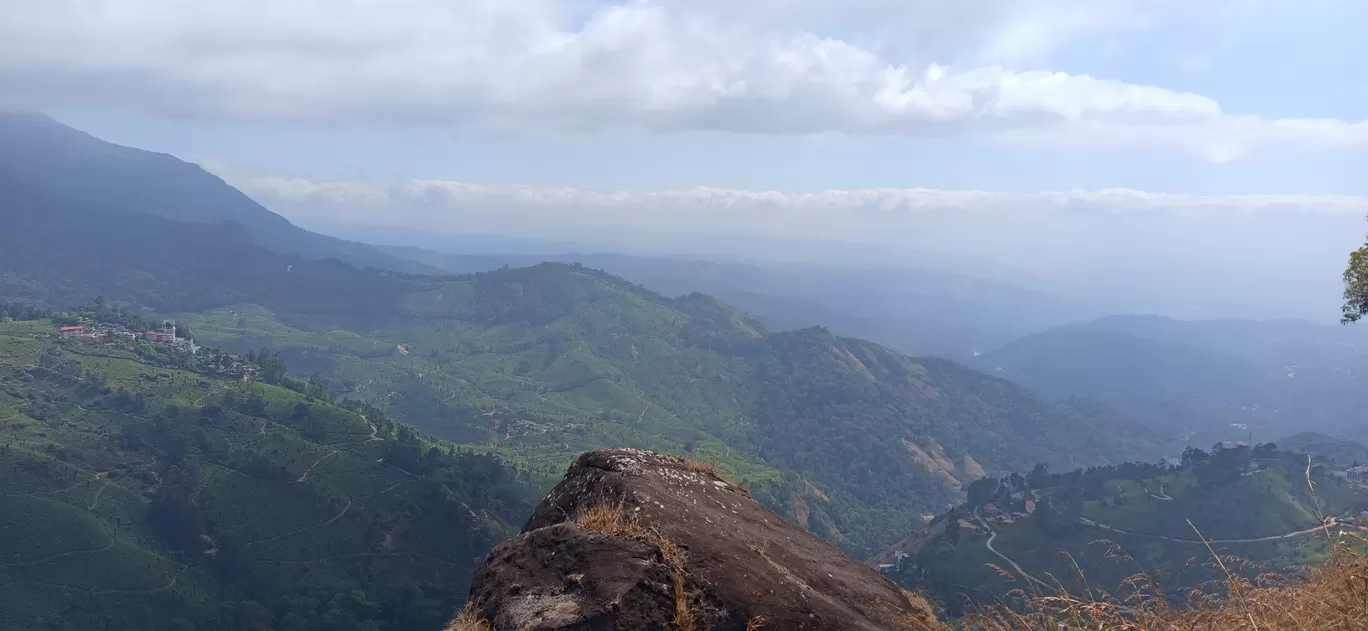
(616, 521)
(754, 624)
(701, 466)
(1334, 597)
(467, 621)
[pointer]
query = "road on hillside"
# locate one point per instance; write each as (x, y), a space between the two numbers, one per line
(1330, 522)
(992, 536)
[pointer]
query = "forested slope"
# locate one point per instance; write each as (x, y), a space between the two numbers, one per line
(139, 491)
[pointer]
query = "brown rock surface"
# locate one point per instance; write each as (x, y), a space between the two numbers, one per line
(632, 540)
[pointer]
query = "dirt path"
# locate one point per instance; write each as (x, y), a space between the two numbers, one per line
(96, 502)
(137, 592)
(305, 475)
(62, 555)
(1329, 523)
(306, 528)
(360, 555)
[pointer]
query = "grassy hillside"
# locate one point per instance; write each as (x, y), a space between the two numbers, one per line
(1094, 529)
(852, 439)
(137, 491)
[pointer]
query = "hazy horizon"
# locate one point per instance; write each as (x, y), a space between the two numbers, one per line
(1141, 156)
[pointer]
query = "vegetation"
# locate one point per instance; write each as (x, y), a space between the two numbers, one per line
(1356, 286)
(1269, 507)
(139, 489)
(1333, 596)
(545, 362)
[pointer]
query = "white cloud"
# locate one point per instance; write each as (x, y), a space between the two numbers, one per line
(770, 67)
(436, 204)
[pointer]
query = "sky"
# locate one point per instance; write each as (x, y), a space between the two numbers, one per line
(1045, 134)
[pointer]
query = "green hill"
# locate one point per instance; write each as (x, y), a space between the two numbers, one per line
(140, 491)
(1094, 529)
(853, 439)
(1338, 451)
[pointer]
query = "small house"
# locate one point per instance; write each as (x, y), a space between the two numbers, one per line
(71, 331)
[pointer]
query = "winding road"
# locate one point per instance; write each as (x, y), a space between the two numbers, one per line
(992, 536)
(1329, 523)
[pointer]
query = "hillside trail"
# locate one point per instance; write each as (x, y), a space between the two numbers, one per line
(1329, 523)
(305, 475)
(992, 536)
(1161, 495)
(304, 528)
(96, 502)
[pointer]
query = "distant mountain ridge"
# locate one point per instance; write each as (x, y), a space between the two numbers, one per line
(1219, 378)
(71, 165)
(916, 311)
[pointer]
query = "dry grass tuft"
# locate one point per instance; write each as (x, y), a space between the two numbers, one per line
(616, 521)
(1333, 596)
(467, 621)
(701, 466)
(754, 624)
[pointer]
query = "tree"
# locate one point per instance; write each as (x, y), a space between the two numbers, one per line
(982, 490)
(1356, 286)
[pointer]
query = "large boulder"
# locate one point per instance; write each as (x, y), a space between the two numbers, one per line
(632, 540)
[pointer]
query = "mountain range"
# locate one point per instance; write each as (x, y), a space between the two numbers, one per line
(1202, 381)
(854, 440)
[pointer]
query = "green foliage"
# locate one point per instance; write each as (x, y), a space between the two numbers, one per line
(1107, 523)
(158, 498)
(1356, 286)
(542, 363)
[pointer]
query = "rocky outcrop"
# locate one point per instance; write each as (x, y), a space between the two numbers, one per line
(632, 540)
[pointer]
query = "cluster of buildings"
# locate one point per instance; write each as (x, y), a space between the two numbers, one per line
(231, 365)
(165, 336)
(1021, 506)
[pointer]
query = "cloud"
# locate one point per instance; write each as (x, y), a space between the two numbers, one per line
(911, 68)
(455, 205)
(1268, 255)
